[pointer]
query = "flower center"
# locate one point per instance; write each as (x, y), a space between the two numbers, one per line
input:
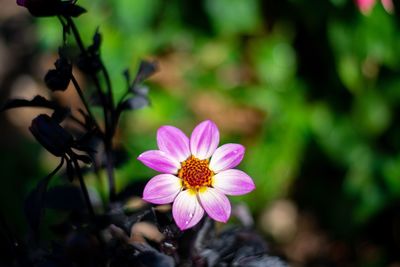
(195, 173)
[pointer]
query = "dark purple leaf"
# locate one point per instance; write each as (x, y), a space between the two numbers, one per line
(89, 63)
(89, 142)
(71, 10)
(59, 78)
(125, 220)
(60, 114)
(146, 69)
(127, 76)
(96, 41)
(51, 135)
(47, 8)
(42, 8)
(38, 101)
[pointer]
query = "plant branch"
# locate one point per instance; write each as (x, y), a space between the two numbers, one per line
(83, 185)
(83, 99)
(106, 103)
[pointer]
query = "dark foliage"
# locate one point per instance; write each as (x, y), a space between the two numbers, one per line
(84, 235)
(51, 135)
(48, 8)
(59, 78)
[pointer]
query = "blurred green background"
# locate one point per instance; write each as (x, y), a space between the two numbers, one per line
(311, 88)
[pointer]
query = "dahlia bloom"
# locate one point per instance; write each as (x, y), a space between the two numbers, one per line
(191, 180)
(365, 6)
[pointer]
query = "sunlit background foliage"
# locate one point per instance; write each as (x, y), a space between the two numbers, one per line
(311, 88)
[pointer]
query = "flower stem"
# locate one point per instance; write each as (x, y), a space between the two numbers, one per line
(83, 99)
(108, 108)
(94, 77)
(110, 172)
(83, 187)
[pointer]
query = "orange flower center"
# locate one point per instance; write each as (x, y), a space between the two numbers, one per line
(195, 173)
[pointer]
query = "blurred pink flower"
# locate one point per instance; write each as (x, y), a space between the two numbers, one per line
(191, 180)
(388, 5)
(365, 6)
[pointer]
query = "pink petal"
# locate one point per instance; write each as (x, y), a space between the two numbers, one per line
(226, 157)
(233, 182)
(186, 209)
(388, 5)
(162, 189)
(159, 161)
(365, 6)
(215, 204)
(204, 140)
(174, 142)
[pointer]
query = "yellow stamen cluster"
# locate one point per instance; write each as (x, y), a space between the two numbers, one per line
(195, 173)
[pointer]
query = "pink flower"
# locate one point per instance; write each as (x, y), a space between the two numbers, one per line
(365, 6)
(191, 180)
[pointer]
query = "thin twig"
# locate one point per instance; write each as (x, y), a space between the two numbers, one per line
(83, 186)
(83, 99)
(95, 79)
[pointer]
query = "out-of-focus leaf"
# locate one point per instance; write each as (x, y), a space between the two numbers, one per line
(225, 14)
(259, 261)
(150, 257)
(134, 103)
(146, 69)
(229, 247)
(275, 61)
(133, 189)
(349, 72)
(124, 220)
